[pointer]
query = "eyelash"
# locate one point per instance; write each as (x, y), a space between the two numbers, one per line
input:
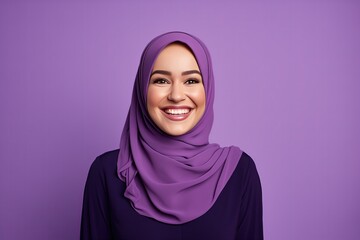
(193, 80)
(160, 81)
(165, 81)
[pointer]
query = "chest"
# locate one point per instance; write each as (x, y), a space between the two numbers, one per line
(219, 222)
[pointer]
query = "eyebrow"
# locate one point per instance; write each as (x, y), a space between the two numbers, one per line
(169, 73)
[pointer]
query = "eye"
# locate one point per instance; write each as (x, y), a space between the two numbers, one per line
(160, 81)
(192, 81)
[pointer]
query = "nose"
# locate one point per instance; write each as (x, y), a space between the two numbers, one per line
(176, 93)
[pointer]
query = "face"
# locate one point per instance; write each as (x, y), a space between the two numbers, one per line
(176, 94)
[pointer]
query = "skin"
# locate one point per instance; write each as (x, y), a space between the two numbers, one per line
(176, 82)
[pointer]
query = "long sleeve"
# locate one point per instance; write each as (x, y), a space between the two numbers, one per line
(251, 214)
(95, 223)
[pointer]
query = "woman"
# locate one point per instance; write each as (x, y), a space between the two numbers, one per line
(167, 181)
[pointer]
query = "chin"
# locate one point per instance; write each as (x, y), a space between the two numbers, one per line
(177, 132)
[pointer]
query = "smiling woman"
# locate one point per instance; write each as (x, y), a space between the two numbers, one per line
(176, 96)
(167, 181)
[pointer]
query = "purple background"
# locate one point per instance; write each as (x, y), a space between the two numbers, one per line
(288, 92)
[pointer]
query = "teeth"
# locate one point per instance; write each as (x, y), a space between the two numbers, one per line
(177, 111)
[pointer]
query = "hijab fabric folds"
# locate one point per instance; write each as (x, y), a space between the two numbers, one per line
(173, 179)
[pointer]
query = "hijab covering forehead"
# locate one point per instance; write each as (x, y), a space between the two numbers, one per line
(173, 179)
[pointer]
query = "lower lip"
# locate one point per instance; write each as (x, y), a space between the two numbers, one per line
(177, 117)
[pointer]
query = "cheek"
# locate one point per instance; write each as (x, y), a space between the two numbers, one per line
(199, 97)
(150, 99)
(154, 98)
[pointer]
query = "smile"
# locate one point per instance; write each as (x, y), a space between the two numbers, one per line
(176, 113)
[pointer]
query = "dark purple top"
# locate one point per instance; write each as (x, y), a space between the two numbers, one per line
(107, 214)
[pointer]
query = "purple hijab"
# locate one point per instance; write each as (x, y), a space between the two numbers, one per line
(173, 179)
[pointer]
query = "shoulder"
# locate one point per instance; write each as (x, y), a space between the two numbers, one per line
(105, 162)
(106, 158)
(246, 169)
(246, 162)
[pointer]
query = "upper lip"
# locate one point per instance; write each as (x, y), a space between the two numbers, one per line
(176, 107)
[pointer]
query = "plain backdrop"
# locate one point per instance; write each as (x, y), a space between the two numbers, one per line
(287, 92)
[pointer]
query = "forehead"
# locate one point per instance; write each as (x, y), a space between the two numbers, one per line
(176, 56)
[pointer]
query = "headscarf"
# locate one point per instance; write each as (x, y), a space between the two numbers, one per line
(173, 179)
